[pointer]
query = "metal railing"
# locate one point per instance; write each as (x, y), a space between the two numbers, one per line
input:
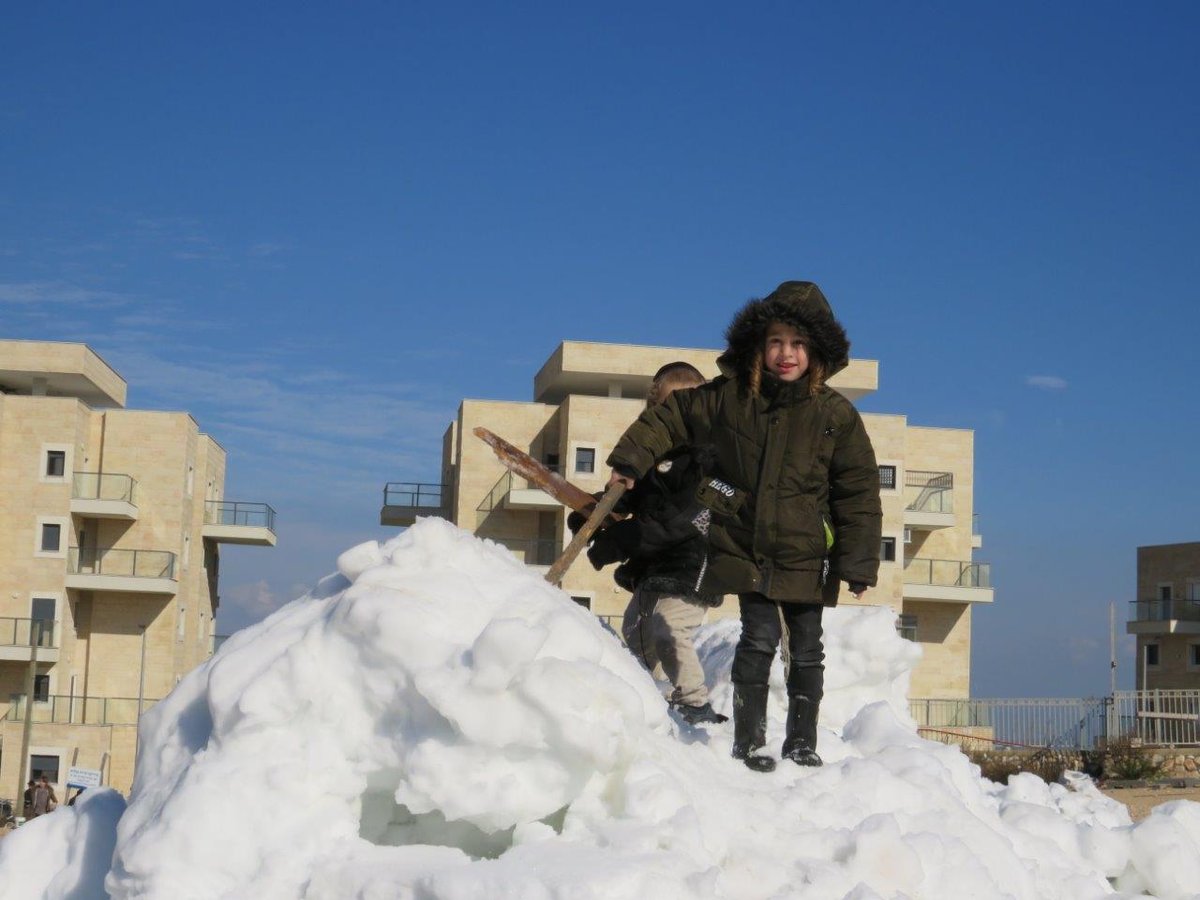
(1164, 610)
(63, 709)
(1154, 718)
(232, 512)
(505, 484)
(947, 572)
(126, 563)
(929, 491)
(412, 494)
(19, 633)
(102, 486)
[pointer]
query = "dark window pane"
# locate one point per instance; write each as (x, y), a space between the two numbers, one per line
(43, 765)
(1152, 654)
(887, 549)
(585, 460)
(585, 602)
(51, 537)
(56, 463)
(41, 688)
(887, 477)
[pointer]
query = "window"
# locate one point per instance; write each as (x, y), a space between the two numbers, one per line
(887, 550)
(585, 460)
(887, 478)
(585, 602)
(51, 537)
(552, 462)
(43, 765)
(1194, 655)
(41, 688)
(1152, 654)
(41, 611)
(56, 463)
(906, 625)
(1164, 592)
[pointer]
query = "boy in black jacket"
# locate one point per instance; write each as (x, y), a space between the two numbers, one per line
(663, 551)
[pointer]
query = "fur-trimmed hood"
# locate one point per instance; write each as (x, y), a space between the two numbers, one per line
(797, 303)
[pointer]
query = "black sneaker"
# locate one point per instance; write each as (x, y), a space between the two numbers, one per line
(696, 715)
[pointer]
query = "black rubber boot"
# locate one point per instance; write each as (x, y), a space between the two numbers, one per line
(800, 744)
(750, 726)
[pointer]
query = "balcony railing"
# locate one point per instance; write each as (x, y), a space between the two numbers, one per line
(1164, 610)
(929, 492)
(19, 633)
(506, 484)
(948, 572)
(102, 486)
(252, 515)
(413, 494)
(531, 551)
(122, 563)
(63, 709)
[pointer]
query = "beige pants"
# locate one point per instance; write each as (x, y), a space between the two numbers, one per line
(658, 630)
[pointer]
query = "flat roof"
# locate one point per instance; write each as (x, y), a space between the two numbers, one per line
(62, 369)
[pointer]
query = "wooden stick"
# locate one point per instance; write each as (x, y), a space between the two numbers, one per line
(603, 508)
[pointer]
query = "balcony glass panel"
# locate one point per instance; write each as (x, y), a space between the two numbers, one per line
(124, 563)
(102, 486)
(929, 492)
(948, 573)
(19, 633)
(413, 494)
(227, 512)
(1165, 610)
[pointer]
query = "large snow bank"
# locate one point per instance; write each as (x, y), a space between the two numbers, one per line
(437, 722)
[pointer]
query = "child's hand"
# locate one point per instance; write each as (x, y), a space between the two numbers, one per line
(617, 478)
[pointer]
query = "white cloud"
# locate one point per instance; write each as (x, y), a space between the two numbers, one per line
(1046, 382)
(37, 293)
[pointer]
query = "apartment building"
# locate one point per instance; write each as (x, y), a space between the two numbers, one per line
(109, 560)
(585, 396)
(1165, 617)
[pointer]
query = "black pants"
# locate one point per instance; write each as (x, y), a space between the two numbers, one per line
(764, 624)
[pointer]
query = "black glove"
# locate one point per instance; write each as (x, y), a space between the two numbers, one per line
(575, 521)
(857, 587)
(614, 544)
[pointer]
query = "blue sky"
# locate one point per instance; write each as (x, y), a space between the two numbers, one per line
(318, 228)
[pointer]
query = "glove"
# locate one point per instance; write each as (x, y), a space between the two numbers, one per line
(575, 521)
(614, 544)
(857, 587)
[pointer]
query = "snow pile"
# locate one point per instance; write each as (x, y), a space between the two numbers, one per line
(437, 722)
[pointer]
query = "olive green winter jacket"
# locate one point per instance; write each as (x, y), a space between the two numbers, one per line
(794, 464)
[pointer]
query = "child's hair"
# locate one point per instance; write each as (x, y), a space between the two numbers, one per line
(815, 372)
(672, 375)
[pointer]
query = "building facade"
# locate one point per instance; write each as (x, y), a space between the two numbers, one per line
(109, 558)
(1165, 617)
(585, 396)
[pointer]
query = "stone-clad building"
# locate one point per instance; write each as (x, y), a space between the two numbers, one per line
(109, 553)
(585, 396)
(1165, 616)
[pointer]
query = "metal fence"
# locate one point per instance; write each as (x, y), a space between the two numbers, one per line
(1152, 718)
(228, 512)
(412, 494)
(63, 709)
(947, 572)
(135, 563)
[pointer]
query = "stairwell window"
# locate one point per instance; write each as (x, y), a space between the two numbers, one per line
(1151, 654)
(51, 537)
(887, 550)
(41, 688)
(585, 460)
(1194, 656)
(887, 478)
(56, 463)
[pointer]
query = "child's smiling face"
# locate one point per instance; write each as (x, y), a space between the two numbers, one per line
(785, 354)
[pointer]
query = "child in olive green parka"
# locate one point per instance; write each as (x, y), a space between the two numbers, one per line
(795, 501)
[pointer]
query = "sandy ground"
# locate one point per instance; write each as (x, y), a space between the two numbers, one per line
(1141, 800)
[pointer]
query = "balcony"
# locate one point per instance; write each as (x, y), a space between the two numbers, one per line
(514, 492)
(539, 553)
(16, 640)
(947, 581)
(229, 522)
(403, 501)
(928, 500)
(63, 709)
(128, 571)
(1163, 617)
(103, 495)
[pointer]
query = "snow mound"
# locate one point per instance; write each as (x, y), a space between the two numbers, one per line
(435, 721)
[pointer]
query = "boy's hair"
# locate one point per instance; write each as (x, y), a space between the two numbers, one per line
(672, 375)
